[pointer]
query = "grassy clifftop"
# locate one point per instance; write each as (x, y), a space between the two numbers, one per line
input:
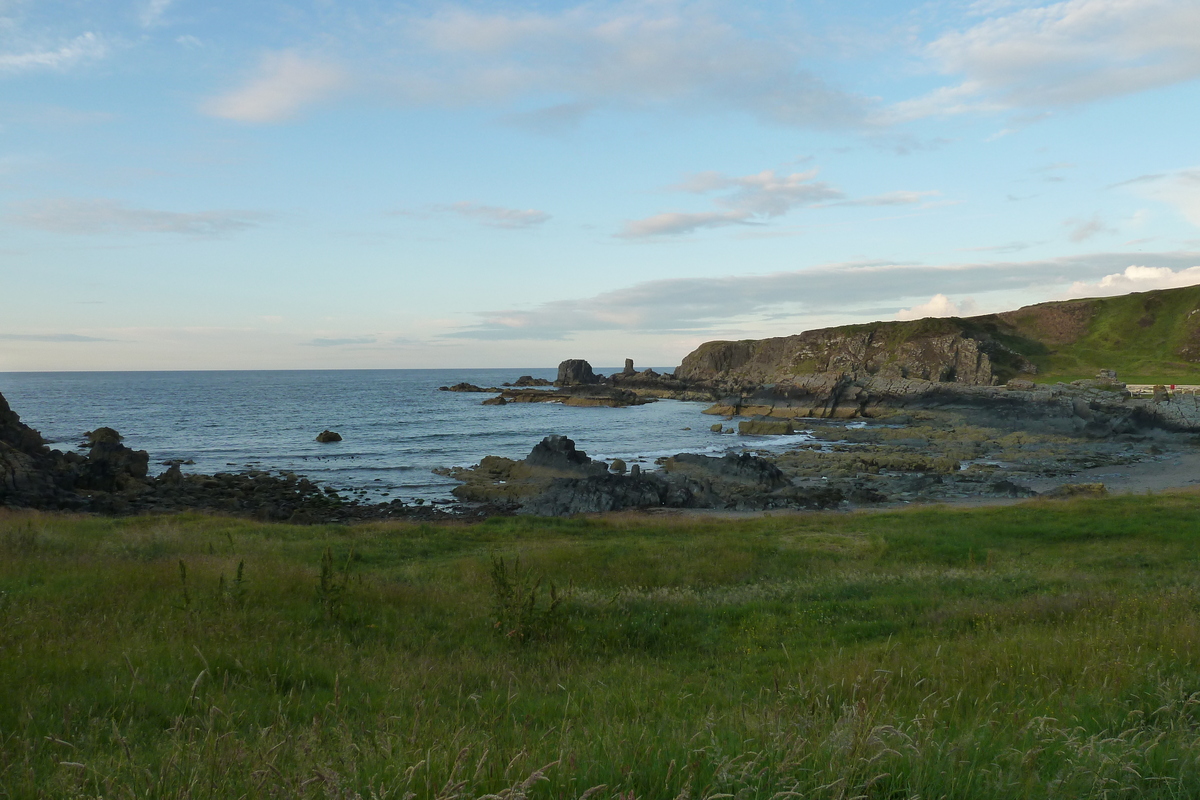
(1147, 337)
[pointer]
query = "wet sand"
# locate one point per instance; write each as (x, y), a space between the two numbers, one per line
(1171, 470)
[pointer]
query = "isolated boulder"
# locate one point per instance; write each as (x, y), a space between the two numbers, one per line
(110, 465)
(326, 436)
(558, 454)
(575, 372)
(103, 436)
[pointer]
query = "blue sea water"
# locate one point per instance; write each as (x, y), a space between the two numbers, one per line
(396, 426)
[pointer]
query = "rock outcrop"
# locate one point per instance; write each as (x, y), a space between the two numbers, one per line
(31, 474)
(583, 396)
(529, 380)
(935, 350)
(979, 363)
(114, 479)
(556, 479)
(469, 387)
(576, 372)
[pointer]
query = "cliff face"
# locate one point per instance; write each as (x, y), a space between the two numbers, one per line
(875, 369)
(927, 350)
(1147, 337)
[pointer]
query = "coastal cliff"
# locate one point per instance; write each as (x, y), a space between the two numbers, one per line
(941, 350)
(1147, 337)
(985, 364)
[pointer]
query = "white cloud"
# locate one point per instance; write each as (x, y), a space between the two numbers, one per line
(940, 306)
(1180, 189)
(899, 198)
(548, 69)
(111, 216)
(49, 337)
(152, 12)
(767, 193)
(499, 217)
(627, 54)
(86, 47)
(754, 199)
(1062, 55)
(285, 83)
(1084, 229)
(674, 223)
(356, 340)
(1136, 279)
(878, 289)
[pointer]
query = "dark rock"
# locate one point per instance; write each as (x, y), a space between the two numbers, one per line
(111, 466)
(618, 466)
(529, 380)
(558, 453)
(862, 493)
(596, 494)
(103, 435)
(327, 436)
(1007, 488)
(743, 468)
(468, 387)
(629, 370)
(498, 400)
(576, 372)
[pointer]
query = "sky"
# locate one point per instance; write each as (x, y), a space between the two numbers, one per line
(370, 184)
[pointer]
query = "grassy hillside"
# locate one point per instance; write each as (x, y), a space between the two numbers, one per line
(1049, 650)
(1148, 337)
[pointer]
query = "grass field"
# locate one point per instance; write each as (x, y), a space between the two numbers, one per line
(1050, 649)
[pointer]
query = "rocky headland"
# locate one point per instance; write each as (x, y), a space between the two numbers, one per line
(1051, 368)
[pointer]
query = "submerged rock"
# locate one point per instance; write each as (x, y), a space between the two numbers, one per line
(327, 436)
(467, 387)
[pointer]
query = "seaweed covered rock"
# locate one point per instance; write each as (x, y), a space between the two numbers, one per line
(766, 426)
(742, 468)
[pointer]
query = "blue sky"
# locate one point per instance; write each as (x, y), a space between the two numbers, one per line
(328, 184)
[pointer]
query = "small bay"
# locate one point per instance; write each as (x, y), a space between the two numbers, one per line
(396, 426)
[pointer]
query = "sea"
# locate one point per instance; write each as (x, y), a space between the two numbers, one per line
(396, 426)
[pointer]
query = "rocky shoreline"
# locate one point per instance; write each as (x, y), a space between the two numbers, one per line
(872, 441)
(111, 478)
(876, 439)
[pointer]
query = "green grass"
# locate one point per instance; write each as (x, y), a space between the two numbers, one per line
(1035, 651)
(1148, 337)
